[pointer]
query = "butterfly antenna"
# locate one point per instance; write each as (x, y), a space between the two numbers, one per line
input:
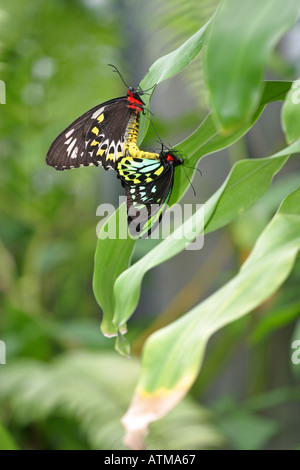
(159, 139)
(150, 112)
(193, 168)
(189, 180)
(148, 89)
(117, 71)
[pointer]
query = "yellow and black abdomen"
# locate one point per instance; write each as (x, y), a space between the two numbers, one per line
(130, 147)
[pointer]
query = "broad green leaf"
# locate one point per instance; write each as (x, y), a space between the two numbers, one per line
(274, 90)
(168, 66)
(6, 440)
(122, 345)
(240, 40)
(173, 355)
(207, 138)
(112, 257)
(290, 116)
(247, 182)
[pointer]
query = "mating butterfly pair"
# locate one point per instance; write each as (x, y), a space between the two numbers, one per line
(107, 135)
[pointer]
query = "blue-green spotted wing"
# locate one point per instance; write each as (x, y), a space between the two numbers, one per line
(148, 186)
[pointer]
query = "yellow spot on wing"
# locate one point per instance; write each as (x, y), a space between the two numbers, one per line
(111, 156)
(95, 130)
(100, 152)
(100, 118)
(94, 143)
(159, 171)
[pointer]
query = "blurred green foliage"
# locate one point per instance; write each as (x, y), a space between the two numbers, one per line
(62, 386)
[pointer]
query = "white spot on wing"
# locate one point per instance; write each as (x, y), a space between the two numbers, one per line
(97, 112)
(74, 153)
(69, 149)
(69, 133)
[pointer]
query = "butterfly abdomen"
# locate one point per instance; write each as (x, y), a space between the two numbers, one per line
(132, 130)
(134, 152)
(131, 136)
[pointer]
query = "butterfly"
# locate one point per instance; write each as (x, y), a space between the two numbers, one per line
(148, 184)
(107, 135)
(98, 137)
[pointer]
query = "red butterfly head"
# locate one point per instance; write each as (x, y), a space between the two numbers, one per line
(172, 156)
(134, 100)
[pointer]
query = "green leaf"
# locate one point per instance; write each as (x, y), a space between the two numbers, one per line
(173, 355)
(6, 440)
(207, 138)
(112, 257)
(168, 66)
(241, 38)
(247, 182)
(274, 90)
(122, 345)
(290, 116)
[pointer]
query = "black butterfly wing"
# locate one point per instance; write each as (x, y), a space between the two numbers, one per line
(148, 186)
(95, 138)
